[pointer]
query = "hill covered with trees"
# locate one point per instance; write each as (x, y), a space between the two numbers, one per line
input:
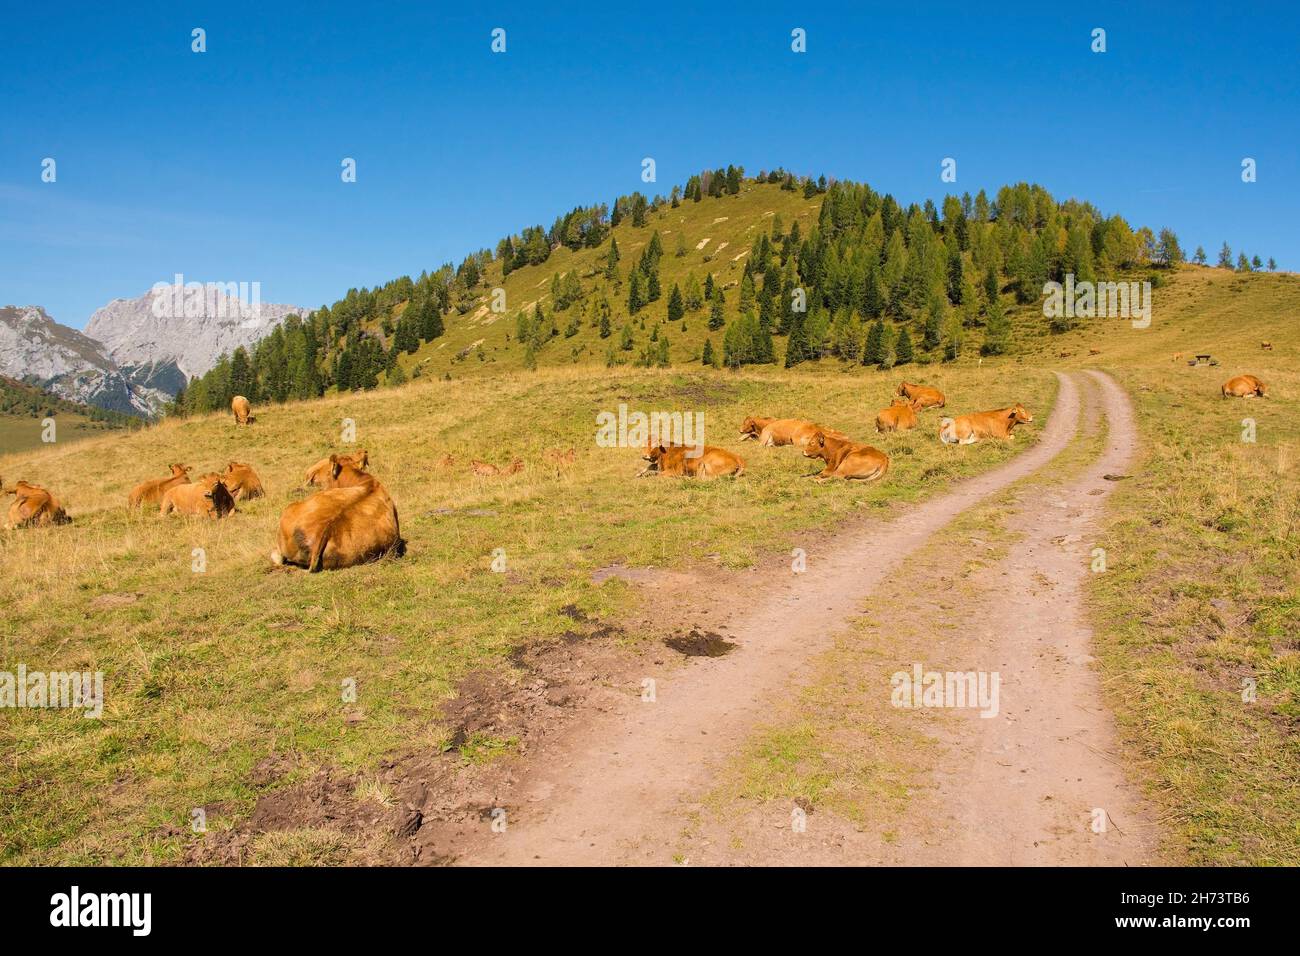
(727, 270)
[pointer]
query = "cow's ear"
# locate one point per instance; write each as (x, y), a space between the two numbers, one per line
(335, 468)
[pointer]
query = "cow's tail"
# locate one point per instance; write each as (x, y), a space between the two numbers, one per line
(948, 431)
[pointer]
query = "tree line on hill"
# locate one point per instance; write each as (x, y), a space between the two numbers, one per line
(872, 282)
(30, 401)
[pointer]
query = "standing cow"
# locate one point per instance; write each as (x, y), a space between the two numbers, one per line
(243, 411)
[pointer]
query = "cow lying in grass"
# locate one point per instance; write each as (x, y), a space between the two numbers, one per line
(1244, 386)
(33, 507)
(340, 527)
(206, 498)
(770, 432)
(322, 473)
(242, 481)
(968, 429)
(898, 417)
(846, 459)
(678, 461)
(922, 395)
(485, 469)
(151, 492)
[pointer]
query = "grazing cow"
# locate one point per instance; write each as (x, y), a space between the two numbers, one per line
(675, 460)
(485, 469)
(846, 459)
(150, 492)
(922, 395)
(339, 527)
(898, 417)
(242, 481)
(968, 429)
(1244, 386)
(243, 411)
(33, 507)
(322, 473)
(785, 431)
(208, 497)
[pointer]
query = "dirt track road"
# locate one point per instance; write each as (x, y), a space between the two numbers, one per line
(1018, 789)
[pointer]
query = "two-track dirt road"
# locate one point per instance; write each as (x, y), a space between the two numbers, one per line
(1018, 789)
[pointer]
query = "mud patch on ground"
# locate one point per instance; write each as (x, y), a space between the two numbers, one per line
(698, 643)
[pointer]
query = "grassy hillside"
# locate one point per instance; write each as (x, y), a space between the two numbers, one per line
(24, 408)
(208, 674)
(717, 233)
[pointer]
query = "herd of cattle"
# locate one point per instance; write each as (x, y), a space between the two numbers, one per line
(351, 519)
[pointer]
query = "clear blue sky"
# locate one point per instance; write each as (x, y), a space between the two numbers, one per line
(225, 165)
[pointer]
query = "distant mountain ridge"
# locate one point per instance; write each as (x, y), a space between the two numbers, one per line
(135, 354)
(36, 349)
(147, 334)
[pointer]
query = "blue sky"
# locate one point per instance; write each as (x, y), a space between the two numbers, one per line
(225, 165)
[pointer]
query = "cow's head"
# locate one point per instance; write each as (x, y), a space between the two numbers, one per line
(179, 470)
(750, 430)
(816, 447)
(1018, 415)
(902, 389)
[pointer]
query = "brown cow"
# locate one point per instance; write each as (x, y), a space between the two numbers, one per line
(243, 411)
(785, 431)
(1244, 386)
(846, 459)
(33, 507)
(339, 527)
(968, 429)
(485, 469)
(322, 473)
(924, 396)
(898, 417)
(677, 461)
(753, 427)
(150, 492)
(208, 497)
(242, 481)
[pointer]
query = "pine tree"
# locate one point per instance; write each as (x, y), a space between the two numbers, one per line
(635, 295)
(626, 342)
(653, 290)
(1199, 258)
(604, 327)
(708, 357)
(716, 318)
(874, 350)
(611, 261)
(676, 305)
(1225, 257)
(903, 349)
(952, 338)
